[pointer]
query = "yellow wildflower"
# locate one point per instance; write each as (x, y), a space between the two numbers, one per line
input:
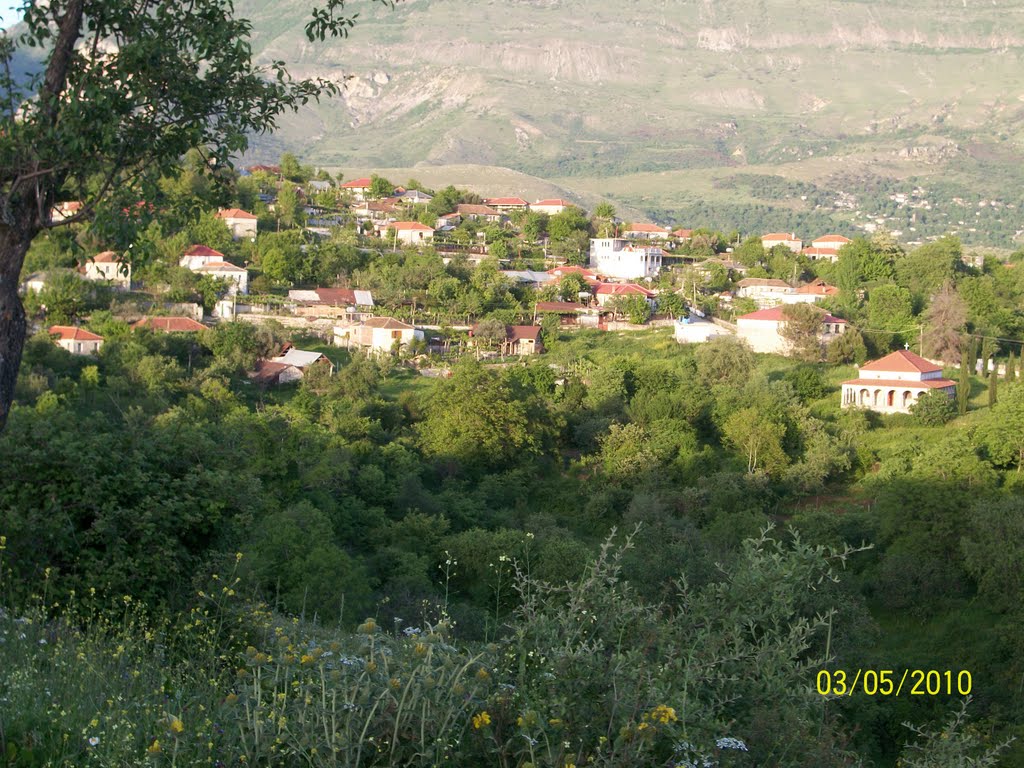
(175, 724)
(482, 720)
(663, 714)
(482, 674)
(154, 748)
(231, 698)
(306, 659)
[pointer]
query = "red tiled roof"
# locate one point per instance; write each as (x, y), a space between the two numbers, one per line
(775, 313)
(106, 257)
(336, 295)
(647, 228)
(552, 201)
(505, 201)
(623, 289)
(170, 324)
(202, 250)
(559, 306)
(471, 209)
(363, 183)
(818, 289)
(903, 361)
(73, 333)
(832, 239)
(415, 226)
(234, 213)
(900, 383)
(683, 233)
(522, 332)
(779, 236)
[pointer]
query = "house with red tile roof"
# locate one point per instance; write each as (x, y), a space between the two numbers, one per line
(506, 204)
(788, 239)
(814, 291)
(481, 212)
(550, 206)
(608, 292)
(894, 383)
(761, 329)
(682, 234)
(408, 232)
(198, 255)
(106, 267)
(359, 188)
(645, 232)
(834, 242)
(241, 223)
(75, 340)
(170, 324)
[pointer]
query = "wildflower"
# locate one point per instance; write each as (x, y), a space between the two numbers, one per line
(395, 683)
(482, 720)
(728, 742)
(368, 627)
(420, 649)
(154, 748)
(94, 740)
(175, 724)
(231, 698)
(371, 666)
(306, 659)
(663, 714)
(482, 674)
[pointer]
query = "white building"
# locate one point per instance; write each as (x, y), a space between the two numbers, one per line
(761, 329)
(199, 256)
(105, 267)
(410, 232)
(765, 291)
(695, 330)
(617, 257)
(241, 223)
(894, 383)
(550, 206)
(787, 239)
(359, 188)
(75, 340)
(237, 277)
(376, 333)
(830, 242)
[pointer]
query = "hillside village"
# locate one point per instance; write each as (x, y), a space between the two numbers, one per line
(428, 275)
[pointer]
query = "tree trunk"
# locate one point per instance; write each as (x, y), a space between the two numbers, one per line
(13, 247)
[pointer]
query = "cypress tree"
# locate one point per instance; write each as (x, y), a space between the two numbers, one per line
(993, 387)
(1011, 367)
(963, 385)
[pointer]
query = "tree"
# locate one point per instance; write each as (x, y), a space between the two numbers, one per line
(847, 347)
(672, 304)
(934, 408)
(287, 205)
(126, 89)
(1011, 367)
(725, 360)
(571, 285)
(891, 314)
(993, 386)
(490, 333)
(636, 309)
(1002, 432)
(963, 384)
(380, 187)
(801, 328)
(758, 438)
(945, 322)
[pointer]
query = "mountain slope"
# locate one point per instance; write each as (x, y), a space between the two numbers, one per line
(590, 90)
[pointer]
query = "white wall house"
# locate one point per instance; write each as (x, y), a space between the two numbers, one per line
(237, 277)
(409, 232)
(376, 333)
(787, 239)
(894, 383)
(618, 257)
(199, 255)
(241, 223)
(551, 206)
(359, 188)
(105, 267)
(77, 341)
(646, 232)
(765, 291)
(760, 329)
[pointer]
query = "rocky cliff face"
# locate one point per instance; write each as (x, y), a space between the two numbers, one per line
(595, 87)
